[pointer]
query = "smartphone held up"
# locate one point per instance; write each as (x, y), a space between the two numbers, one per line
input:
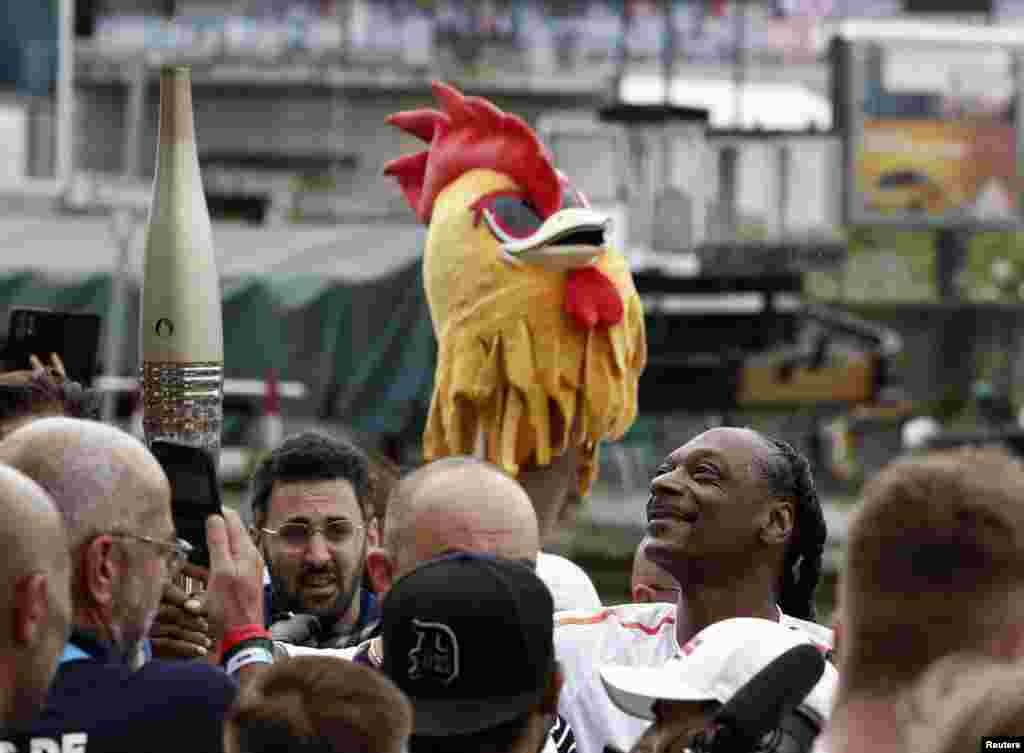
(195, 492)
(72, 337)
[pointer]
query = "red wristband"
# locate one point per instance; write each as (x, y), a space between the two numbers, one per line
(242, 633)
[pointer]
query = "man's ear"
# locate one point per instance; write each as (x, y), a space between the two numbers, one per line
(31, 607)
(381, 568)
(100, 570)
(778, 527)
(1009, 644)
(643, 594)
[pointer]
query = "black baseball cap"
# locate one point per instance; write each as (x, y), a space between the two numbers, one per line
(470, 640)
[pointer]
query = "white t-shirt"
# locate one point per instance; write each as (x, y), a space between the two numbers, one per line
(635, 635)
(569, 584)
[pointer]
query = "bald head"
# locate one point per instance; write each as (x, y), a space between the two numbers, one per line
(98, 476)
(35, 595)
(31, 536)
(459, 504)
(650, 582)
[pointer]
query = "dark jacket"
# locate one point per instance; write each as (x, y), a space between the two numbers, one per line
(99, 704)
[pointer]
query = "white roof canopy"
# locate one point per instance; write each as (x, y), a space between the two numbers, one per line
(68, 246)
(772, 106)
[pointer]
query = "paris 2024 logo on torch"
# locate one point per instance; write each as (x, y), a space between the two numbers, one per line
(436, 653)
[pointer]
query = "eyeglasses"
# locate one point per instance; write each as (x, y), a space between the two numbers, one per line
(177, 551)
(511, 217)
(298, 535)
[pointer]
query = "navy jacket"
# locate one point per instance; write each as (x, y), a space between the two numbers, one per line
(97, 704)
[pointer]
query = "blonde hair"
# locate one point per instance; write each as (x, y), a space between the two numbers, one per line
(319, 703)
(934, 563)
(960, 699)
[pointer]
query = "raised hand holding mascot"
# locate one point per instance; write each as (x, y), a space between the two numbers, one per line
(540, 329)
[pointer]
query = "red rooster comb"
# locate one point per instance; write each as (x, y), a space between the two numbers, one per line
(471, 133)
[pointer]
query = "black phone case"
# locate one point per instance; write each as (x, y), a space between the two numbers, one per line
(72, 336)
(195, 492)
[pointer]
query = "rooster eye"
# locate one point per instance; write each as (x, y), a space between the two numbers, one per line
(509, 216)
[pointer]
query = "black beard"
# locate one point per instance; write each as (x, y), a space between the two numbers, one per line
(283, 601)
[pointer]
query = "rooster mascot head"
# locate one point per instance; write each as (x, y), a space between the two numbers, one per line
(540, 330)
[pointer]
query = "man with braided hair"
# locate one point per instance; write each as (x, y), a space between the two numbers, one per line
(734, 517)
(789, 477)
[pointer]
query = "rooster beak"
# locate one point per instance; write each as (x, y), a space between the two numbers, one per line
(568, 239)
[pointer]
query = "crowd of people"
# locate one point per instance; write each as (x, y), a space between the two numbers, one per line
(439, 624)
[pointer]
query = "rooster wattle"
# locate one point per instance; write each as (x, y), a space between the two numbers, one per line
(540, 330)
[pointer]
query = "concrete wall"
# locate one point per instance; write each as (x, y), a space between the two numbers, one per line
(273, 120)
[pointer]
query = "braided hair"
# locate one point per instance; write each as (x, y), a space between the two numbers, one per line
(788, 474)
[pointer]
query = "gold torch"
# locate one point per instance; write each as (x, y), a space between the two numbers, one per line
(181, 330)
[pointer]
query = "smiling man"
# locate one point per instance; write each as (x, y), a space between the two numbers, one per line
(311, 508)
(734, 518)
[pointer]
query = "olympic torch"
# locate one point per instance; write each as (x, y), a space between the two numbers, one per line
(181, 329)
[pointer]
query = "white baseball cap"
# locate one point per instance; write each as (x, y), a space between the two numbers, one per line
(717, 662)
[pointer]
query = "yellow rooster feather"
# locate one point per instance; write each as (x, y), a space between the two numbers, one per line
(540, 330)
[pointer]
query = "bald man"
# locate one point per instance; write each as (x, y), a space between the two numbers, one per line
(456, 504)
(115, 503)
(35, 596)
(650, 583)
(451, 505)
(466, 504)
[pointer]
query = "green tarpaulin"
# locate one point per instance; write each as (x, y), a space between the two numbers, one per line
(365, 351)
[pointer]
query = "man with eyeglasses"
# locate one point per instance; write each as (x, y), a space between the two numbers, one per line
(311, 508)
(114, 499)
